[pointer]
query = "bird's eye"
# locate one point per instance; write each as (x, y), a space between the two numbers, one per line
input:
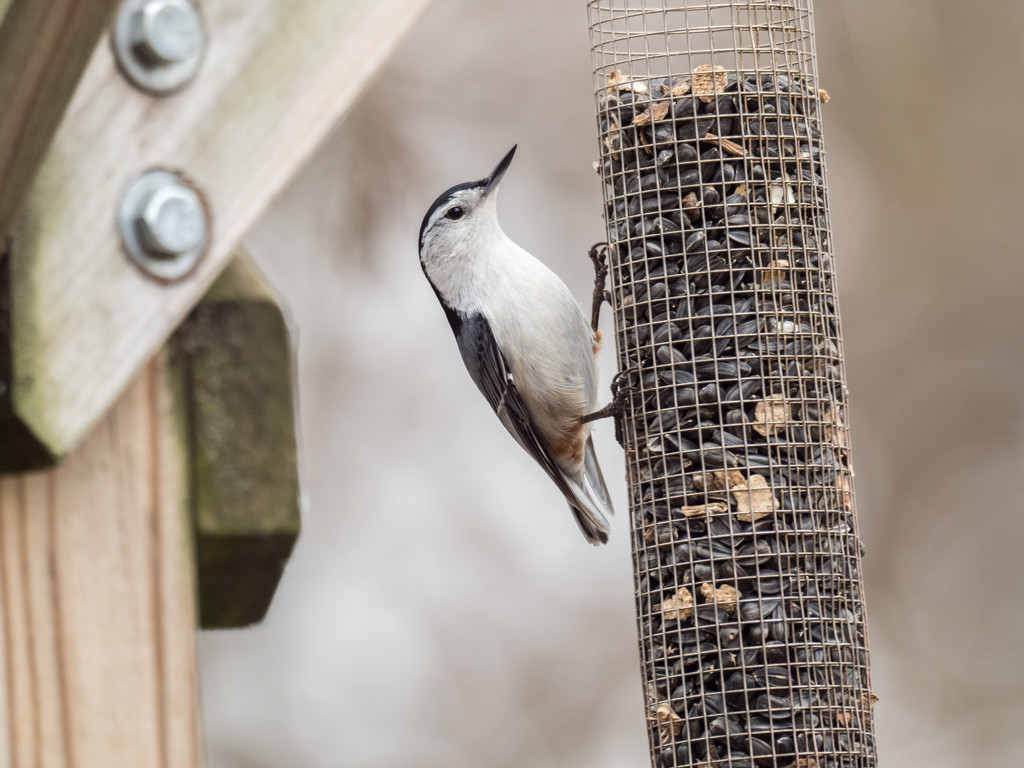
(454, 213)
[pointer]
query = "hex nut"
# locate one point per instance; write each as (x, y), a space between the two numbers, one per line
(163, 224)
(159, 44)
(172, 221)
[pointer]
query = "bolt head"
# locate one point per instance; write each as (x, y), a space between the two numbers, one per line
(172, 221)
(168, 32)
(164, 224)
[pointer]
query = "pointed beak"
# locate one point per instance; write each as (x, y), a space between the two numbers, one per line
(491, 182)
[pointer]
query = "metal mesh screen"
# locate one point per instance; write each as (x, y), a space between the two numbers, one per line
(747, 559)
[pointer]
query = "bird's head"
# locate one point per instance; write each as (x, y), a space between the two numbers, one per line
(461, 221)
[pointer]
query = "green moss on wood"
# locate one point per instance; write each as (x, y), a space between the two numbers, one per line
(238, 576)
(234, 356)
(20, 448)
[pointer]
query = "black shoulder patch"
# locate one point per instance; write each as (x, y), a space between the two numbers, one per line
(443, 198)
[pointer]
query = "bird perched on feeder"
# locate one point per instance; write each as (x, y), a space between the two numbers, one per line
(523, 338)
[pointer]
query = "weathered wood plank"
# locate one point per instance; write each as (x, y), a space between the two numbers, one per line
(35, 515)
(6, 651)
(176, 587)
(98, 605)
(233, 356)
(22, 742)
(44, 47)
(277, 77)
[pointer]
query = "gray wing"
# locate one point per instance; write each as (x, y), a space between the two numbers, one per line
(490, 371)
(493, 377)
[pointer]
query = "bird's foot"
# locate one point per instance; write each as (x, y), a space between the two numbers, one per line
(617, 407)
(599, 255)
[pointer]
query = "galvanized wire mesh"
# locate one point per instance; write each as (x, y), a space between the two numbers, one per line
(747, 559)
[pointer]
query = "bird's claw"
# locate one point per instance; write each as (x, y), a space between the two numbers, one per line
(599, 255)
(619, 385)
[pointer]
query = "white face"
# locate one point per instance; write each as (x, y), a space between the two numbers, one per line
(452, 233)
(460, 233)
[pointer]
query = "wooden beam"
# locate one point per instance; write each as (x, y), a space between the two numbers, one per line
(44, 47)
(232, 356)
(97, 598)
(277, 77)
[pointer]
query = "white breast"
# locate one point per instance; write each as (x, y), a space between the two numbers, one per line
(545, 338)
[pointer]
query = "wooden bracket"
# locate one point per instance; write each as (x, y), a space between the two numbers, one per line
(44, 47)
(276, 78)
(232, 359)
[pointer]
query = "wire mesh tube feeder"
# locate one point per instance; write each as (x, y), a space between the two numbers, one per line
(746, 553)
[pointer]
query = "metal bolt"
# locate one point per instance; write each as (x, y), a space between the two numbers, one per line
(159, 43)
(172, 221)
(167, 31)
(163, 224)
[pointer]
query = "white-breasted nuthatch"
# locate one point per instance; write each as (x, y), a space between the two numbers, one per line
(523, 337)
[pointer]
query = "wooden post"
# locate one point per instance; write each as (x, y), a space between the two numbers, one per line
(101, 585)
(97, 597)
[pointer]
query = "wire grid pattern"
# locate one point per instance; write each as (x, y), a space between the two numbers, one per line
(746, 552)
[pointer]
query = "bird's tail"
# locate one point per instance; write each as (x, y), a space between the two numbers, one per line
(591, 506)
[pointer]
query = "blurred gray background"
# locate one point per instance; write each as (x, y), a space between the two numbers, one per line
(441, 608)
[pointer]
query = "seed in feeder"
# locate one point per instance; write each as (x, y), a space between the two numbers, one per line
(709, 81)
(845, 486)
(720, 480)
(646, 144)
(804, 762)
(616, 78)
(725, 597)
(662, 533)
(754, 499)
(652, 114)
(679, 607)
(680, 88)
(691, 206)
(668, 720)
(844, 717)
(868, 701)
(835, 430)
(611, 141)
(770, 415)
(776, 271)
(779, 193)
(731, 147)
(704, 510)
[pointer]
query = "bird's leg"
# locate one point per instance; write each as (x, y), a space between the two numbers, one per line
(599, 255)
(620, 392)
(617, 407)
